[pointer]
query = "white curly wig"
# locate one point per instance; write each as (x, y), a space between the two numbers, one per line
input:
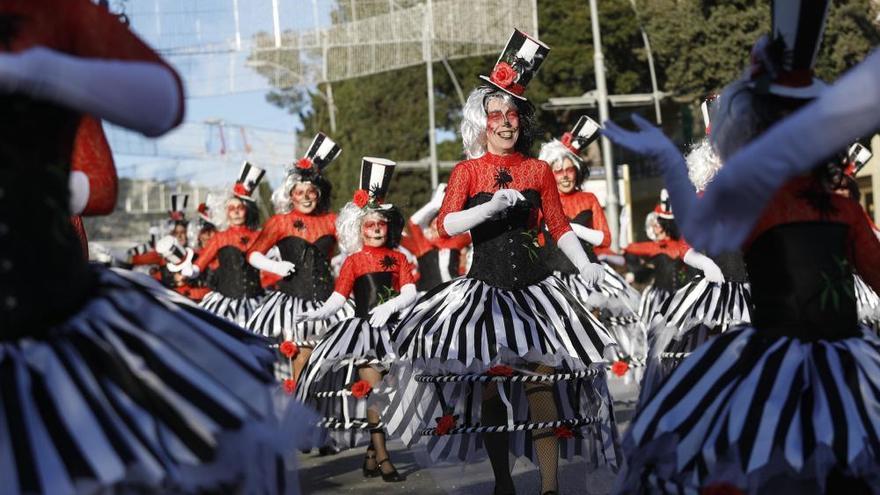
(554, 151)
(473, 119)
(348, 227)
(703, 164)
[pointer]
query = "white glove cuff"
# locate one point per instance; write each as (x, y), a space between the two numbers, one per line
(79, 191)
(571, 247)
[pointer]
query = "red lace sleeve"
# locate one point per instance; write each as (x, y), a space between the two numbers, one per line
(646, 248)
(404, 271)
(682, 248)
(92, 156)
(551, 206)
(149, 258)
(418, 244)
(457, 190)
(347, 275)
(209, 252)
(270, 234)
(599, 221)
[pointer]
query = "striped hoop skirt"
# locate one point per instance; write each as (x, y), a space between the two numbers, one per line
(467, 326)
(237, 310)
(275, 318)
(141, 391)
(760, 413)
(653, 299)
(868, 303)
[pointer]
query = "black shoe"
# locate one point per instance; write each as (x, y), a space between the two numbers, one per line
(370, 473)
(393, 476)
(328, 450)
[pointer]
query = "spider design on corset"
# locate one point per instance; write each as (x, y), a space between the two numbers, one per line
(299, 225)
(387, 262)
(502, 178)
(244, 240)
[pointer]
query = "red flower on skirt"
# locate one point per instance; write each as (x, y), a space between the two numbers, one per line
(288, 348)
(444, 424)
(289, 386)
(563, 432)
(361, 198)
(500, 370)
(721, 489)
(361, 389)
(619, 368)
(304, 163)
(240, 190)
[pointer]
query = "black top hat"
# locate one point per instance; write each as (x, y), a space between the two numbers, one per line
(518, 63)
(139, 249)
(857, 157)
(320, 154)
(375, 178)
(175, 255)
(248, 180)
(782, 64)
(584, 132)
(664, 208)
(178, 206)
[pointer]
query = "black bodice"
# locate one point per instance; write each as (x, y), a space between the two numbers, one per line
(802, 283)
(235, 277)
(44, 278)
(555, 259)
(430, 270)
(506, 252)
(311, 280)
(669, 274)
(732, 266)
(370, 290)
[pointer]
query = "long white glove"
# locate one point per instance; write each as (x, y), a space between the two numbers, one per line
(261, 262)
(333, 304)
(705, 264)
(592, 273)
(592, 236)
(190, 270)
(78, 183)
(381, 313)
(423, 216)
(461, 221)
(143, 96)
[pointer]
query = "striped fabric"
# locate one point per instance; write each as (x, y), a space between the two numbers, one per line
(274, 318)
(140, 391)
(345, 408)
(747, 407)
(652, 302)
(868, 303)
(238, 310)
(705, 303)
(466, 322)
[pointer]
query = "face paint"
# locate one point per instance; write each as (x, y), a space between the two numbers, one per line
(502, 126)
(374, 230)
(566, 175)
(304, 197)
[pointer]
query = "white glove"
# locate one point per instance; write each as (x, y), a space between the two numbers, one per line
(333, 304)
(78, 183)
(592, 273)
(189, 270)
(337, 261)
(592, 236)
(380, 314)
(261, 262)
(143, 96)
(705, 264)
(464, 220)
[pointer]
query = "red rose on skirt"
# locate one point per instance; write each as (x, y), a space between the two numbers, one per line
(619, 368)
(361, 389)
(289, 386)
(563, 432)
(361, 198)
(444, 424)
(500, 370)
(721, 489)
(288, 348)
(503, 74)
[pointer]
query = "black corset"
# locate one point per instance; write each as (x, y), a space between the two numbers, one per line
(235, 277)
(430, 271)
(506, 254)
(312, 280)
(555, 259)
(802, 283)
(44, 278)
(370, 290)
(732, 266)
(669, 273)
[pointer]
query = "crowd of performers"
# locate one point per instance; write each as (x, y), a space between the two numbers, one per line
(487, 325)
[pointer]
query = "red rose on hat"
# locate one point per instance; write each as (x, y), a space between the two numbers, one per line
(619, 368)
(304, 163)
(444, 424)
(288, 348)
(289, 386)
(361, 198)
(203, 208)
(361, 389)
(566, 140)
(503, 75)
(240, 190)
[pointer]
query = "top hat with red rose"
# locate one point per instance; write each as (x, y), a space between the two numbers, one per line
(375, 178)
(321, 153)
(856, 158)
(178, 207)
(248, 181)
(584, 132)
(518, 63)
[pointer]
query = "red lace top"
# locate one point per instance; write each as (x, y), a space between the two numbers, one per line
(92, 156)
(294, 224)
(148, 258)
(419, 244)
(671, 248)
(788, 206)
(239, 237)
(580, 201)
(490, 173)
(372, 260)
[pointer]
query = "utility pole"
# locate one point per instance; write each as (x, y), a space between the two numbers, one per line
(432, 126)
(612, 206)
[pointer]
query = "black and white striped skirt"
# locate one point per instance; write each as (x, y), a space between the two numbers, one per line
(612, 294)
(141, 391)
(868, 304)
(747, 408)
(237, 310)
(274, 318)
(653, 299)
(709, 304)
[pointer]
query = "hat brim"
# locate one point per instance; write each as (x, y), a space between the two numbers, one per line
(176, 268)
(488, 80)
(804, 92)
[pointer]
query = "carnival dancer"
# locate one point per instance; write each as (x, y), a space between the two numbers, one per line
(91, 170)
(785, 404)
(439, 259)
(110, 383)
(343, 375)
(613, 299)
(509, 322)
(237, 291)
(305, 233)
